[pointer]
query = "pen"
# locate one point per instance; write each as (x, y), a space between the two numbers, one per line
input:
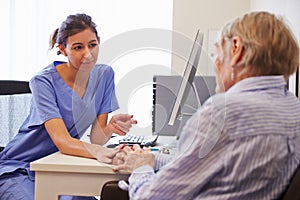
(154, 148)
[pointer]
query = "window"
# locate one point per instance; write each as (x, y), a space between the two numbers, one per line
(134, 34)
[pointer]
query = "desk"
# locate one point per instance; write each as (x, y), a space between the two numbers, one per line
(59, 174)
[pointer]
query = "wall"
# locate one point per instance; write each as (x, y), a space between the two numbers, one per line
(287, 8)
(208, 16)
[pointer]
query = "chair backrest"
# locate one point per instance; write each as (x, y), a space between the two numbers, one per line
(14, 106)
(111, 190)
(9, 87)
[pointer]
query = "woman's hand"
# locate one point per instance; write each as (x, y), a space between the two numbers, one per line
(103, 154)
(132, 158)
(121, 124)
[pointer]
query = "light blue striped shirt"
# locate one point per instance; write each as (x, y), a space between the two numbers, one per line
(242, 144)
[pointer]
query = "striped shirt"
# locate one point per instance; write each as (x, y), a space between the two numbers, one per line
(242, 144)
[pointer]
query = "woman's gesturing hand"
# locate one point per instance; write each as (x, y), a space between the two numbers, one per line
(121, 123)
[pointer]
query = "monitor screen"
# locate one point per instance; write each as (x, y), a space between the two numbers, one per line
(187, 78)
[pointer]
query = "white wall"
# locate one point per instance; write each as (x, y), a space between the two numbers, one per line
(208, 16)
(287, 8)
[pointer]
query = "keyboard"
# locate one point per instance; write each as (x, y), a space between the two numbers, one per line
(143, 141)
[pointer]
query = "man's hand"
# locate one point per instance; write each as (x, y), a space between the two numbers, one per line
(132, 158)
(103, 154)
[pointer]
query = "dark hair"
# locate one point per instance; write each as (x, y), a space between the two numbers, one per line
(71, 26)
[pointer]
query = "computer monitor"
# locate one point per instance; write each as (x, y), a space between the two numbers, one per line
(165, 87)
(187, 80)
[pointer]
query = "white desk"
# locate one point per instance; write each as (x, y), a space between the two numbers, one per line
(59, 174)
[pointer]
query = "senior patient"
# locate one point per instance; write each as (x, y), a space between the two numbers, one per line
(244, 143)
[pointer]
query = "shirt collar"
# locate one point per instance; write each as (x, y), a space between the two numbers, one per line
(259, 83)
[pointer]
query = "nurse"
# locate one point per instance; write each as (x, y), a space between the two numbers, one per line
(67, 98)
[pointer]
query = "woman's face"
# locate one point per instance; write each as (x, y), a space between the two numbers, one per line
(223, 68)
(82, 50)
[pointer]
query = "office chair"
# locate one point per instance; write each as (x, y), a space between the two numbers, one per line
(111, 190)
(293, 190)
(8, 91)
(10, 87)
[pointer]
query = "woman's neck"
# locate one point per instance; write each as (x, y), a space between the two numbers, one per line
(75, 79)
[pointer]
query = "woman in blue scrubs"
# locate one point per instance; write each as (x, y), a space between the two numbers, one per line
(67, 98)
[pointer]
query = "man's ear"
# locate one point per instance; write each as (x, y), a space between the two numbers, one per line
(62, 49)
(237, 49)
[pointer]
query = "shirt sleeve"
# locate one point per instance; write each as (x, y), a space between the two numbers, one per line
(138, 178)
(173, 180)
(44, 100)
(161, 160)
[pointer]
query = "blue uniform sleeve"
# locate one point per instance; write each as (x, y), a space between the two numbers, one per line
(44, 104)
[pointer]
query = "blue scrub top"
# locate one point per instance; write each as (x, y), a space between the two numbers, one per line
(53, 98)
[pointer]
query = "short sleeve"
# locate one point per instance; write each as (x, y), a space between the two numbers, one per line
(44, 104)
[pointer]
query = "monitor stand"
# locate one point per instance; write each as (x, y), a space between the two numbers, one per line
(181, 114)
